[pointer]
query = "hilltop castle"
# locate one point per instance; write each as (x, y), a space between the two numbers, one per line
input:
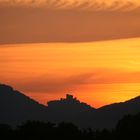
(68, 100)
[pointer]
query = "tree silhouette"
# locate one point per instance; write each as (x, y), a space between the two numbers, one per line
(6, 131)
(36, 130)
(127, 128)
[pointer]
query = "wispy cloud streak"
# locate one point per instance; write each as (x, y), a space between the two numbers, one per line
(78, 4)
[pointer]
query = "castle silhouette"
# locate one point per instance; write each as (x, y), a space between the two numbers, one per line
(70, 99)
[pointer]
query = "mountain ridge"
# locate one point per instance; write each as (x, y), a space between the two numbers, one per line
(16, 108)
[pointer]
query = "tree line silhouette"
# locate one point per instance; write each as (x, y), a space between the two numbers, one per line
(127, 128)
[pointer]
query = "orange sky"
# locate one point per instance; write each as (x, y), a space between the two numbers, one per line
(98, 73)
(88, 47)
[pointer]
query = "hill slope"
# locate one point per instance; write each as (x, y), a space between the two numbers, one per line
(16, 108)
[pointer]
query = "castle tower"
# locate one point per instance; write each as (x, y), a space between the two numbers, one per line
(68, 96)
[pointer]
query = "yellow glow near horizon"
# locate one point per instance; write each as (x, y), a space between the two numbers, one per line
(97, 73)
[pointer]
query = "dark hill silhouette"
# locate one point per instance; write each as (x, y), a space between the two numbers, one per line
(110, 114)
(69, 103)
(69, 109)
(17, 108)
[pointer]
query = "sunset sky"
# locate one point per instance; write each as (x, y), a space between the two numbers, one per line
(90, 48)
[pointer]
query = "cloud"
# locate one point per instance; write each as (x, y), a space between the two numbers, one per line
(77, 4)
(40, 21)
(41, 25)
(51, 84)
